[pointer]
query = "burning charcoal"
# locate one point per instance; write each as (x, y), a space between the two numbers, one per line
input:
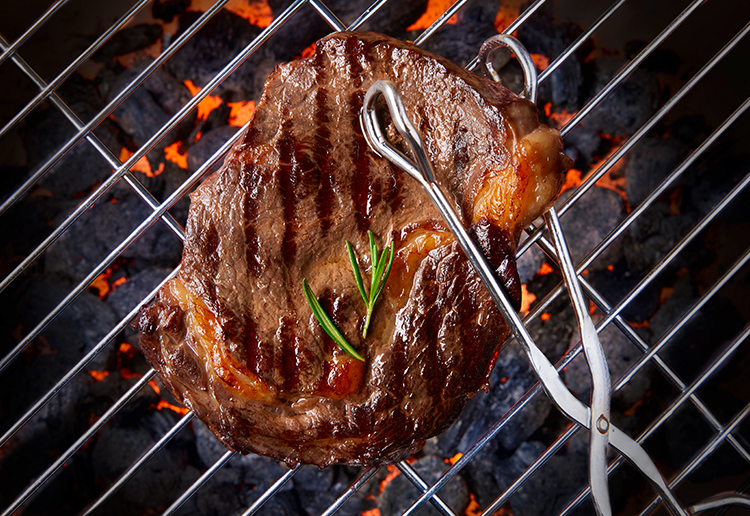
(392, 18)
(654, 234)
(150, 107)
(399, 493)
(621, 354)
(649, 163)
(460, 43)
(126, 296)
(590, 220)
(223, 37)
(540, 35)
(529, 264)
(128, 40)
(47, 130)
(549, 489)
(209, 143)
(629, 106)
(118, 447)
(510, 379)
(166, 10)
(100, 229)
(582, 144)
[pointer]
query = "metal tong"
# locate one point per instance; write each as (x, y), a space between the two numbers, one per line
(595, 418)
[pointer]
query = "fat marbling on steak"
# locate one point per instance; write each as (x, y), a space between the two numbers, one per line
(233, 337)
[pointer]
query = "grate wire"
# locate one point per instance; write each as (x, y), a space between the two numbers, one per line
(159, 211)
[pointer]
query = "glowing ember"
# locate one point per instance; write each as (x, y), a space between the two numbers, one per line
(118, 282)
(164, 404)
(142, 165)
(665, 294)
(435, 9)
(613, 180)
(545, 316)
(393, 472)
(507, 13)
(473, 509)
(540, 61)
(98, 375)
(610, 268)
(559, 120)
(206, 105)
(527, 298)
(125, 348)
(307, 52)
(371, 512)
(241, 112)
(257, 12)
(545, 269)
(572, 180)
(173, 154)
(454, 459)
(101, 283)
(127, 374)
(592, 307)
(154, 386)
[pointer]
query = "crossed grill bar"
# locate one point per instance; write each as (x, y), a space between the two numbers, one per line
(724, 432)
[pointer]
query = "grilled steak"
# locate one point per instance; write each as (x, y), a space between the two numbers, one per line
(233, 337)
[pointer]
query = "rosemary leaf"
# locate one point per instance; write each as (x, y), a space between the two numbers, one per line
(357, 274)
(326, 323)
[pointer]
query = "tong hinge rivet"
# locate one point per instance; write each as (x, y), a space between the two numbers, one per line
(602, 424)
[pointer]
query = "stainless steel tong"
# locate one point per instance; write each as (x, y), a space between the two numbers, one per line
(596, 418)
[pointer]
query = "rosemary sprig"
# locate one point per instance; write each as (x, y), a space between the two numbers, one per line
(379, 275)
(327, 323)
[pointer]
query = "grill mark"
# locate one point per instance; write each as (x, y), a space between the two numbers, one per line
(288, 180)
(253, 357)
(322, 139)
(288, 359)
(252, 247)
(361, 194)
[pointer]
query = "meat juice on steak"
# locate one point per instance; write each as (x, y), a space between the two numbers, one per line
(233, 337)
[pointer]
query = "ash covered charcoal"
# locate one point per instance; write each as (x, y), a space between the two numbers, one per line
(219, 41)
(541, 35)
(629, 106)
(129, 40)
(127, 296)
(589, 221)
(159, 482)
(149, 108)
(648, 163)
(400, 493)
(47, 130)
(102, 228)
(211, 141)
(621, 355)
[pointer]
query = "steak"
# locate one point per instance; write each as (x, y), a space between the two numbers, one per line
(233, 337)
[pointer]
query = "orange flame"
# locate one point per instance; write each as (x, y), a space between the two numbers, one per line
(125, 348)
(127, 374)
(118, 282)
(98, 375)
(473, 509)
(241, 112)
(559, 119)
(540, 61)
(206, 105)
(545, 316)
(454, 459)
(527, 298)
(393, 472)
(371, 512)
(545, 269)
(164, 404)
(572, 180)
(173, 154)
(154, 386)
(101, 283)
(435, 9)
(307, 52)
(507, 14)
(257, 12)
(142, 165)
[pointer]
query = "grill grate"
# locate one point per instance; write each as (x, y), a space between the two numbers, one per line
(726, 428)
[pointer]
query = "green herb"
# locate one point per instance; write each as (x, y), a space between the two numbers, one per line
(379, 275)
(327, 323)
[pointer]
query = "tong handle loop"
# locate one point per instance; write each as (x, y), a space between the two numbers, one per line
(530, 81)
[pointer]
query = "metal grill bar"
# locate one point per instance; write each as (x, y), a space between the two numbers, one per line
(715, 442)
(205, 477)
(409, 472)
(724, 433)
(32, 30)
(84, 131)
(44, 477)
(49, 88)
(268, 493)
